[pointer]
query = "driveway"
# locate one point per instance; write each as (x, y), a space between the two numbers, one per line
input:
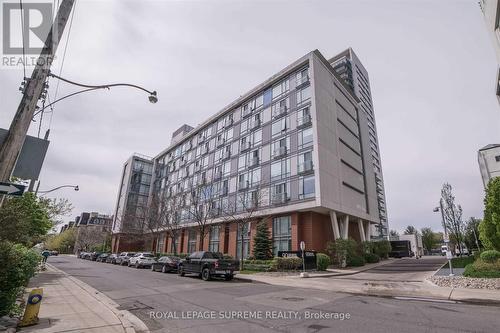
(283, 308)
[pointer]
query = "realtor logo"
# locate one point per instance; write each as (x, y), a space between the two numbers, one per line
(30, 24)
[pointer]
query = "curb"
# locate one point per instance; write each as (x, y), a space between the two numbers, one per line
(130, 322)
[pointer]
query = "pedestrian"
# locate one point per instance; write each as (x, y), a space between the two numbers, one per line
(45, 255)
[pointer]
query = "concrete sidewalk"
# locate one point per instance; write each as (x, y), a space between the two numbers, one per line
(69, 305)
(423, 289)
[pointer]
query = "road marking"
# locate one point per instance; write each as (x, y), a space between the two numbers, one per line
(435, 300)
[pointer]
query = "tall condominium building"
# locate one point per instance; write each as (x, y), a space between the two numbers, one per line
(354, 74)
(489, 162)
(131, 202)
(491, 11)
(297, 147)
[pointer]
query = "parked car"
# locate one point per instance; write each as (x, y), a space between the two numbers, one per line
(124, 257)
(142, 259)
(102, 257)
(111, 259)
(94, 255)
(166, 264)
(54, 253)
(87, 256)
(208, 264)
(81, 255)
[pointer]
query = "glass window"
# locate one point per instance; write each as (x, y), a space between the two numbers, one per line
(161, 243)
(243, 230)
(306, 187)
(280, 169)
(280, 126)
(255, 177)
(280, 88)
(244, 126)
(303, 95)
(213, 243)
(306, 137)
(192, 241)
(268, 96)
(282, 234)
(226, 168)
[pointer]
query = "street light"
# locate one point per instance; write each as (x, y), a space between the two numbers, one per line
(75, 187)
(445, 235)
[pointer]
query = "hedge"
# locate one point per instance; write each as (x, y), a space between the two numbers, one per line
(287, 264)
(322, 261)
(371, 258)
(482, 269)
(490, 256)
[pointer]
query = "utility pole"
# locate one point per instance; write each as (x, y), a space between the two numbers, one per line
(33, 88)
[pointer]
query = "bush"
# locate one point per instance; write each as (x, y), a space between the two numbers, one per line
(382, 248)
(258, 267)
(322, 261)
(371, 258)
(490, 256)
(356, 261)
(342, 250)
(287, 263)
(179, 255)
(482, 269)
(367, 247)
(18, 264)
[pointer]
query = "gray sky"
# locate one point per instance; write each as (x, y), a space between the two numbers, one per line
(431, 65)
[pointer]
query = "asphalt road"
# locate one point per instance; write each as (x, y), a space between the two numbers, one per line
(143, 292)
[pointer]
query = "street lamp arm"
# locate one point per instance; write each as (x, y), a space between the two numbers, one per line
(59, 187)
(104, 85)
(64, 97)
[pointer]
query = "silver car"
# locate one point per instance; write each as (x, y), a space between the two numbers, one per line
(142, 259)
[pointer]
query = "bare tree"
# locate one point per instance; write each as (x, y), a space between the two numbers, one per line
(90, 236)
(200, 208)
(452, 217)
(242, 210)
(172, 219)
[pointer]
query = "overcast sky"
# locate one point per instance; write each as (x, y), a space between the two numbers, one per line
(431, 65)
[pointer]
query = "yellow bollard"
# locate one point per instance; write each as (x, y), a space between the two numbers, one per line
(32, 307)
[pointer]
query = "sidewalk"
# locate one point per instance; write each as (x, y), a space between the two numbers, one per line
(71, 305)
(424, 289)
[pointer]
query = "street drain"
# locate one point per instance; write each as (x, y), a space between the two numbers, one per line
(293, 299)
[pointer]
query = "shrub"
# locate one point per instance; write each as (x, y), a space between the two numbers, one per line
(262, 242)
(382, 248)
(371, 258)
(322, 261)
(18, 266)
(342, 250)
(287, 263)
(259, 262)
(482, 269)
(490, 255)
(367, 247)
(356, 261)
(258, 267)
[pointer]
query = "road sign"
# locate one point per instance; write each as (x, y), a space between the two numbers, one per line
(302, 245)
(449, 255)
(12, 189)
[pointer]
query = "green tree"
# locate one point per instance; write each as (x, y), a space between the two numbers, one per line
(489, 228)
(410, 230)
(471, 235)
(393, 233)
(262, 243)
(429, 239)
(24, 220)
(63, 242)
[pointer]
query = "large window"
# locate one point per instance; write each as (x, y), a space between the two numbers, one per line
(280, 126)
(306, 187)
(282, 234)
(160, 244)
(243, 230)
(303, 95)
(213, 243)
(305, 162)
(280, 193)
(305, 137)
(280, 169)
(192, 241)
(280, 88)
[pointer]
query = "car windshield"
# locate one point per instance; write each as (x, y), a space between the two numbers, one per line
(130, 254)
(147, 255)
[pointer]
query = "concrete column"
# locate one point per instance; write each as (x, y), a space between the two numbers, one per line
(368, 231)
(345, 227)
(361, 230)
(335, 224)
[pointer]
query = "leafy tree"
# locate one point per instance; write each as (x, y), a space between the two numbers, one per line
(393, 233)
(63, 242)
(24, 220)
(262, 243)
(489, 229)
(56, 208)
(471, 235)
(429, 240)
(410, 230)
(452, 217)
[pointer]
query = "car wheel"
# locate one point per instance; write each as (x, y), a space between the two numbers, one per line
(137, 265)
(228, 277)
(181, 271)
(128, 264)
(163, 269)
(205, 274)
(153, 268)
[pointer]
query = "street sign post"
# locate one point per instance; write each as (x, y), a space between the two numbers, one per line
(12, 189)
(303, 247)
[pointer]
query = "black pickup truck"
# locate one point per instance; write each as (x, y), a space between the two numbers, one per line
(208, 264)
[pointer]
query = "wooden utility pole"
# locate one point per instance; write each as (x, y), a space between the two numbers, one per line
(14, 141)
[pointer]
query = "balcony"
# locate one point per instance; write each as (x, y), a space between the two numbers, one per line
(255, 124)
(225, 155)
(243, 185)
(224, 190)
(279, 198)
(246, 112)
(279, 152)
(221, 142)
(254, 162)
(218, 175)
(302, 81)
(245, 146)
(304, 121)
(305, 167)
(279, 111)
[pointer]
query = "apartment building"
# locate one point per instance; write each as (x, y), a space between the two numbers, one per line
(491, 12)
(131, 203)
(354, 74)
(489, 162)
(298, 148)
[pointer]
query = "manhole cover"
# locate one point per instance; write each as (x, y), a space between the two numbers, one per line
(293, 299)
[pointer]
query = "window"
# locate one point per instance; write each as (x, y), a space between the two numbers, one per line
(282, 234)
(254, 177)
(305, 162)
(280, 108)
(497, 158)
(280, 169)
(280, 193)
(280, 126)
(302, 76)
(257, 137)
(174, 244)
(303, 95)
(160, 244)
(306, 187)
(280, 147)
(244, 126)
(213, 242)
(243, 232)
(305, 137)
(192, 241)
(280, 88)
(304, 117)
